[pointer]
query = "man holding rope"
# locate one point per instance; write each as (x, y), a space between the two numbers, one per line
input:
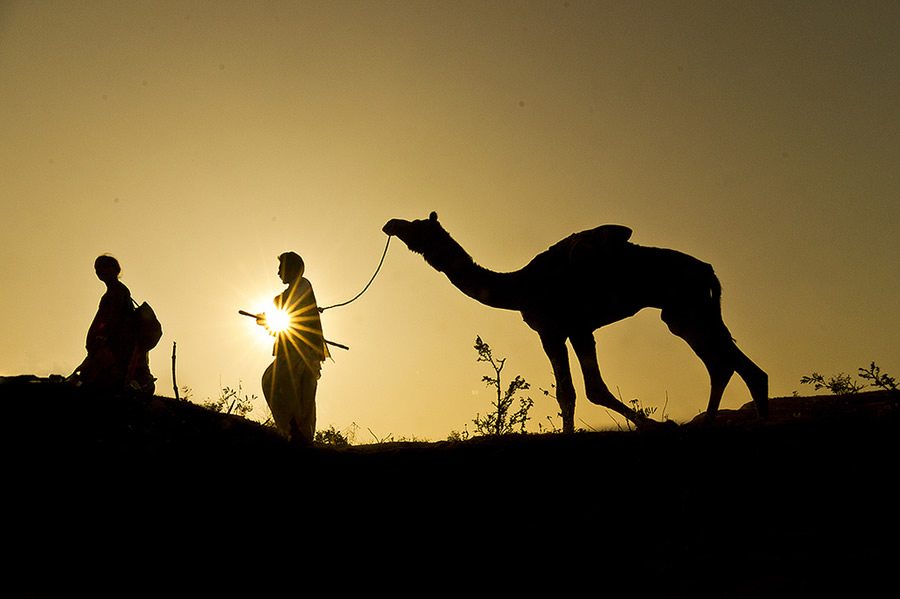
(289, 383)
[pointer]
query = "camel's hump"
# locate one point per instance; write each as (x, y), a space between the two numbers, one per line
(593, 241)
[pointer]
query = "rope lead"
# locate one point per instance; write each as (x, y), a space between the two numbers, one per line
(356, 297)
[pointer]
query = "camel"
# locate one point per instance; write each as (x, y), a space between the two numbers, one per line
(586, 281)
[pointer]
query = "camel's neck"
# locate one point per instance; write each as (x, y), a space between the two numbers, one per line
(498, 290)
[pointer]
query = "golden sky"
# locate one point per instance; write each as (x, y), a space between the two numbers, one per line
(198, 140)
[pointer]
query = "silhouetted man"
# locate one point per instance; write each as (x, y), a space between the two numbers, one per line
(289, 383)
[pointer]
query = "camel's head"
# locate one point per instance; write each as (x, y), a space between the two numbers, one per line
(415, 234)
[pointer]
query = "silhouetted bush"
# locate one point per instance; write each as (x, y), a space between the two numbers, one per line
(231, 402)
(843, 384)
(501, 421)
(332, 436)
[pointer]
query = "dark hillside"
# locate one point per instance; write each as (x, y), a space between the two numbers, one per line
(741, 508)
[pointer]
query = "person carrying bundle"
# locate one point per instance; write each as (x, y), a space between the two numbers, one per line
(118, 341)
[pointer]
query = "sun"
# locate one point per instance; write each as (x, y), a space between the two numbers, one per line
(277, 321)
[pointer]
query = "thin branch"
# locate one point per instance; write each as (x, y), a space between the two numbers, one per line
(174, 384)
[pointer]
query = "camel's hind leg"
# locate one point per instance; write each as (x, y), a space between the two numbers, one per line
(730, 359)
(709, 338)
(757, 382)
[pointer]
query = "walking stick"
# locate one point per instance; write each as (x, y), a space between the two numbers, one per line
(262, 317)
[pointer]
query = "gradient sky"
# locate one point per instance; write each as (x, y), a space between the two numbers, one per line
(197, 140)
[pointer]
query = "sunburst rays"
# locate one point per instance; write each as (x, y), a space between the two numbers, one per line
(302, 330)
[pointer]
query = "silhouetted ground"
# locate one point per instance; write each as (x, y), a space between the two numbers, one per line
(132, 496)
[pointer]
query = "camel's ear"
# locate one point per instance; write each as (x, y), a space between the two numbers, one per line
(433, 216)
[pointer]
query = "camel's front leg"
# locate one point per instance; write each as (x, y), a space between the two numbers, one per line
(596, 390)
(555, 348)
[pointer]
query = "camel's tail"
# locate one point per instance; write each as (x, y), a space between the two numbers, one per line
(715, 289)
(715, 294)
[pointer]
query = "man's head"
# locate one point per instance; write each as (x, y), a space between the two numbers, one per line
(290, 267)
